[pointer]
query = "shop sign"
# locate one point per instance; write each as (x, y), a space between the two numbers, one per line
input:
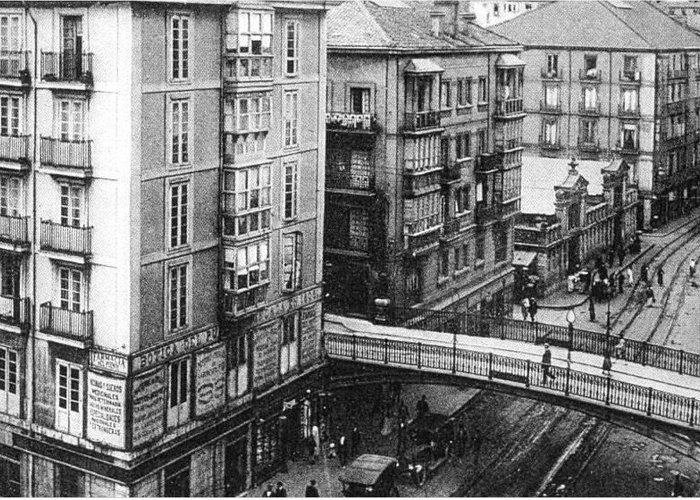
(211, 380)
(285, 306)
(109, 361)
(160, 354)
(148, 401)
(106, 409)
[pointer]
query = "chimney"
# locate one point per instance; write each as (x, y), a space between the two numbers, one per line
(465, 18)
(436, 22)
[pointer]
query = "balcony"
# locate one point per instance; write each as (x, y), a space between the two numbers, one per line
(509, 144)
(238, 304)
(676, 73)
(67, 67)
(418, 183)
(587, 146)
(73, 158)
(629, 148)
(15, 311)
(248, 68)
(14, 65)
(14, 233)
(631, 76)
(15, 149)
(592, 75)
(509, 208)
(589, 109)
(422, 120)
(550, 108)
(351, 122)
(509, 108)
(355, 181)
(73, 325)
(484, 214)
(70, 240)
(623, 112)
(451, 172)
(549, 145)
(452, 226)
(552, 74)
(423, 241)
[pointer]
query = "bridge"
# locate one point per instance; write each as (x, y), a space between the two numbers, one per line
(662, 402)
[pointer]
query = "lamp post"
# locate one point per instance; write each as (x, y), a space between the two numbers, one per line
(571, 319)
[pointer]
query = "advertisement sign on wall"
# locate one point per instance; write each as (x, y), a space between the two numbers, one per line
(106, 409)
(211, 380)
(148, 401)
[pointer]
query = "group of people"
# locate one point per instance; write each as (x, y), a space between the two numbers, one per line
(281, 491)
(529, 306)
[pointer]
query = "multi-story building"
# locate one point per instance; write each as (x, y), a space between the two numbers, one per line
(142, 182)
(609, 79)
(492, 13)
(569, 219)
(424, 132)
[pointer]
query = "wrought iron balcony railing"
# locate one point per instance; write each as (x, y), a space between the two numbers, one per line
(13, 230)
(65, 153)
(67, 66)
(15, 64)
(14, 148)
(75, 325)
(421, 120)
(67, 239)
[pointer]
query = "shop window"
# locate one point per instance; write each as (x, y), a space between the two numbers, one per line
(68, 482)
(176, 481)
(235, 468)
(267, 445)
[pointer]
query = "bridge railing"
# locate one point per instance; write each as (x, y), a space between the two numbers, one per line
(452, 360)
(480, 325)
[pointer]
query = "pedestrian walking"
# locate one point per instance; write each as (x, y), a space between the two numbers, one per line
(692, 268)
(620, 349)
(607, 364)
(651, 299)
(461, 441)
(547, 365)
(591, 308)
(620, 282)
(422, 408)
(269, 492)
(524, 307)
(355, 441)
(311, 448)
(280, 491)
(534, 307)
(645, 273)
(630, 276)
(343, 450)
(660, 276)
(311, 489)
(477, 440)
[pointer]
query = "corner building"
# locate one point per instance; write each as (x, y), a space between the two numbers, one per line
(160, 258)
(424, 130)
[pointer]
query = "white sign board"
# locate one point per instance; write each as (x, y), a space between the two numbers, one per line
(106, 410)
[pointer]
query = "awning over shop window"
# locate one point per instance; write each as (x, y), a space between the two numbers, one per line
(523, 257)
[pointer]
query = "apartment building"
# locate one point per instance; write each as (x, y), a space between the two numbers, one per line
(160, 305)
(424, 130)
(615, 79)
(492, 13)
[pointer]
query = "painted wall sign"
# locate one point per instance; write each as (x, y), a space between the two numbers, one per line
(109, 361)
(211, 380)
(285, 306)
(160, 354)
(106, 409)
(148, 401)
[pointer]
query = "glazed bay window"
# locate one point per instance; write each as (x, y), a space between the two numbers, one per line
(248, 114)
(290, 343)
(178, 300)
(253, 44)
(9, 382)
(180, 131)
(178, 392)
(239, 367)
(179, 47)
(247, 201)
(425, 212)
(291, 262)
(179, 214)
(292, 48)
(423, 153)
(247, 267)
(69, 398)
(291, 188)
(349, 169)
(358, 229)
(291, 119)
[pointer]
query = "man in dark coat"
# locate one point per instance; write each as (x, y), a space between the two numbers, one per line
(311, 489)
(591, 308)
(660, 276)
(355, 441)
(280, 491)
(620, 282)
(645, 273)
(534, 307)
(546, 364)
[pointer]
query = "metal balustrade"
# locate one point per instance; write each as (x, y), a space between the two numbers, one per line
(67, 66)
(69, 239)
(13, 229)
(65, 153)
(421, 120)
(14, 64)
(450, 359)
(239, 303)
(15, 310)
(14, 148)
(76, 325)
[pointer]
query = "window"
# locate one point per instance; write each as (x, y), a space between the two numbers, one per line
(426, 213)
(500, 242)
(630, 100)
(9, 113)
(464, 145)
(630, 67)
(179, 220)
(176, 480)
(358, 234)
(71, 119)
(71, 205)
(247, 267)
(483, 91)
(464, 92)
(359, 100)
(463, 199)
(10, 471)
(349, 169)
(238, 366)
(254, 33)
(446, 95)
(291, 118)
(465, 255)
(290, 190)
(444, 262)
(177, 306)
(267, 445)
(10, 273)
(178, 392)
(292, 49)
(291, 261)
(9, 195)
(552, 65)
(9, 381)
(481, 146)
(588, 131)
(289, 347)
(590, 65)
(68, 482)
(70, 289)
(69, 398)
(247, 114)
(10, 44)
(629, 136)
(180, 47)
(550, 134)
(479, 248)
(247, 195)
(551, 96)
(180, 124)
(590, 98)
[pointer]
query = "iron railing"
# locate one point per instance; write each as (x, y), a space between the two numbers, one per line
(421, 120)
(14, 64)
(65, 153)
(14, 310)
(67, 66)
(240, 303)
(350, 179)
(450, 359)
(13, 229)
(590, 75)
(76, 325)
(509, 107)
(68, 239)
(352, 122)
(14, 148)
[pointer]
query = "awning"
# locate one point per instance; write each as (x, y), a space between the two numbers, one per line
(423, 66)
(366, 469)
(509, 61)
(523, 257)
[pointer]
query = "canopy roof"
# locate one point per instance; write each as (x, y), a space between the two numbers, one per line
(366, 469)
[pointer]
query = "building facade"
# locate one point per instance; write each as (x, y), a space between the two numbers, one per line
(581, 226)
(492, 13)
(423, 158)
(160, 325)
(609, 79)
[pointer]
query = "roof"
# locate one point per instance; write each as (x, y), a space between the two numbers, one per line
(509, 61)
(400, 25)
(523, 257)
(541, 175)
(423, 66)
(631, 25)
(366, 469)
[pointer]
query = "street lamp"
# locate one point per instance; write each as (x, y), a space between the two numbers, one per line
(571, 319)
